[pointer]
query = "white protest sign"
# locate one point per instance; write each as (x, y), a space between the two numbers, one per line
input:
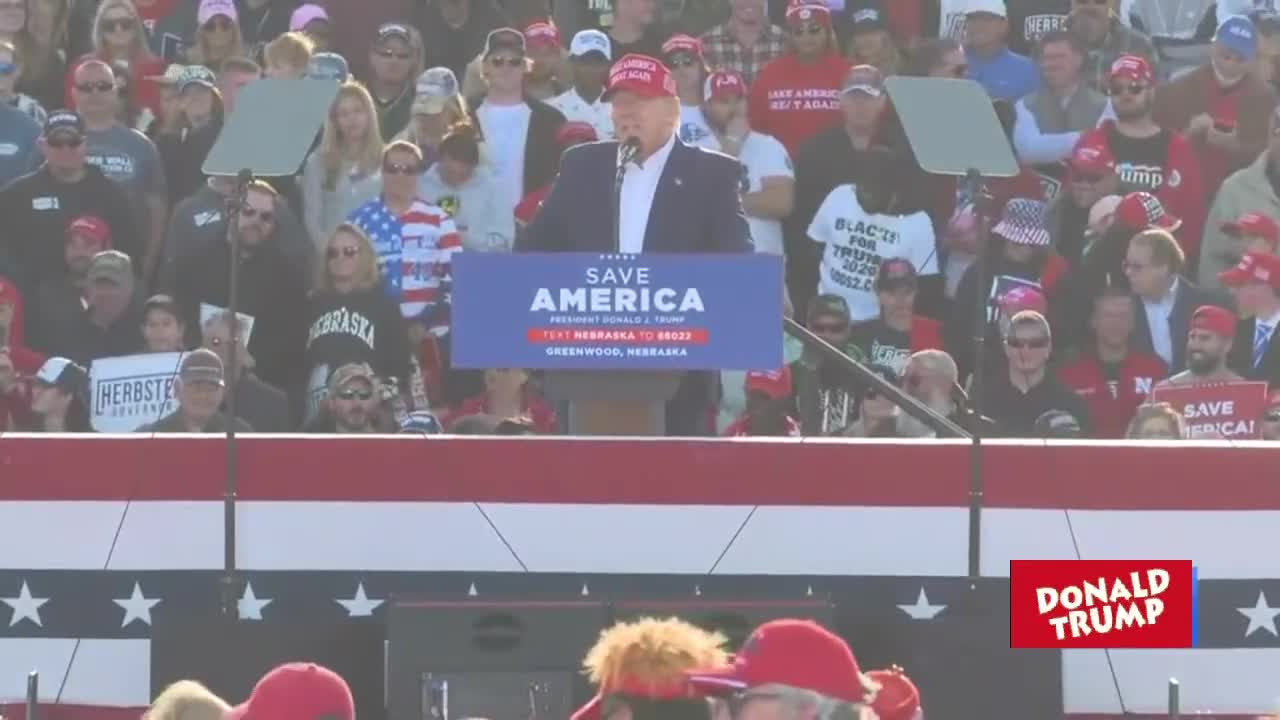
(208, 312)
(132, 390)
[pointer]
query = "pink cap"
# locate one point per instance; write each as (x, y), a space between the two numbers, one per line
(306, 14)
(210, 9)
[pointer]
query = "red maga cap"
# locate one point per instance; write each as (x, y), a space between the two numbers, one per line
(682, 44)
(799, 653)
(92, 227)
(723, 84)
(1141, 210)
(808, 11)
(641, 75)
(774, 383)
(1254, 267)
(1255, 224)
(1092, 158)
(541, 34)
(297, 691)
(575, 132)
(1131, 67)
(1214, 319)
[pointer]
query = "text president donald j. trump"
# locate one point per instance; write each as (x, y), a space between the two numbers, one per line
(675, 198)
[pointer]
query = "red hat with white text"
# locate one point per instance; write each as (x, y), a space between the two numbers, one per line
(724, 85)
(642, 75)
(801, 11)
(541, 35)
(774, 383)
(1092, 158)
(1255, 225)
(1141, 210)
(1133, 68)
(1254, 267)
(682, 44)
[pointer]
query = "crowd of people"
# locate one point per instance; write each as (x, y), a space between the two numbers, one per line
(1136, 249)
(647, 669)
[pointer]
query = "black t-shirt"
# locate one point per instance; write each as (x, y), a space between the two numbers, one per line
(1141, 162)
(37, 209)
(882, 344)
(1030, 19)
(649, 44)
(1016, 412)
(361, 326)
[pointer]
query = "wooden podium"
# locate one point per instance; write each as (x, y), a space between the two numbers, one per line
(613, 402)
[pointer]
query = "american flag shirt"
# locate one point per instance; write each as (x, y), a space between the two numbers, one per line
(415, 257)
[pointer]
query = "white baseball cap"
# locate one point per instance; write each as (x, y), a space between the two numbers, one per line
(589, 41)
(991, 7)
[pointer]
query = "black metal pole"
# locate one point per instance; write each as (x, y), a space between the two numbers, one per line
(617, 208)
(230, 583)
(981, 204)
(938, 423)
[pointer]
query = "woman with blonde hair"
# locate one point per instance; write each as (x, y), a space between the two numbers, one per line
(119, 39)
(345, 171)
(350, 319)
(1158, 421)
(187, 700)
(218, 36)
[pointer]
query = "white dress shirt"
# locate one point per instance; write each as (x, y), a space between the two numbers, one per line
(639, 184)
(1158, 322)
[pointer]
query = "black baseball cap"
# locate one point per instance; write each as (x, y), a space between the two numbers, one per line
(68, 120)
(504, 38)
(867, 17)
(896, 273)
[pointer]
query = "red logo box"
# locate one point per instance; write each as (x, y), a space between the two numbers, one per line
(1100, 603)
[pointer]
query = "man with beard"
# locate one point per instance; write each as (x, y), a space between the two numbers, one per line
(1150, 158)
(353, 406)
(1097, 23)
(1221, 106)
(1209, 342)
(767, 185)
(931, 377)
(823, 400)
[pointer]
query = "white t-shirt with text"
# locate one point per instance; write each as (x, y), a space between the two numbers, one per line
(857, 241)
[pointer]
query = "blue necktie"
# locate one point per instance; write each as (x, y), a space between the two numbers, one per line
(1261, 334)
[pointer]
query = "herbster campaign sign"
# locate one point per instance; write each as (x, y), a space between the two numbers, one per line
(586, 311)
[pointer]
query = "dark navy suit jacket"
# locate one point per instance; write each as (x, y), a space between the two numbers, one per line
(696, 209)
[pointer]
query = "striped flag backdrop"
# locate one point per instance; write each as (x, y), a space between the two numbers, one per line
(102, 536)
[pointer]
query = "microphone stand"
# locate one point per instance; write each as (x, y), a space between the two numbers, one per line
(230, 583)
(627, 151)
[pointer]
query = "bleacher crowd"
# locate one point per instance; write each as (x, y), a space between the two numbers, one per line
(1138, 245)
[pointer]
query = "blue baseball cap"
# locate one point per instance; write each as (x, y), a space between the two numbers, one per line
(1238, 35)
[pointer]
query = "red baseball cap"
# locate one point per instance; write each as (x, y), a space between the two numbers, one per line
(808, 11)
(92, 227)
(1142, 210)
(1131, 67)
(724, 84)
(1023, 297)
(1214, 319)
(774, 383)
(1256, 224)
(898, 698)
(682, 44)
(541, 34)
(297, 691)
(799, 653)
(641, 75)
(573, 132)
(1092, 158)
(1254, 267)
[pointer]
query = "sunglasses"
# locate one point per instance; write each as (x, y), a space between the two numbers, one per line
(265, 216)
(346, 252)
(1038, 343)
(513, 61)
(1131, 89)
(63, 143)
(808, 29)
(393, 55)
(221, 24)
(117, 25)
(355, 394)
(679, 61)
(391, 168)
(102, 86)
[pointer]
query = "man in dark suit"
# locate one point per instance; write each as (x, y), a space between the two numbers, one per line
(674, 198)
(1255, 284)
(1163, 300)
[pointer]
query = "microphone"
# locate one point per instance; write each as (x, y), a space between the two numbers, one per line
(628, 152)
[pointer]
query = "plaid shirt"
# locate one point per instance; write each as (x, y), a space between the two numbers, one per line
(723, 51)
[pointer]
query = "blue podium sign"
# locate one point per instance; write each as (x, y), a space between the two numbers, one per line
(586, 311)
